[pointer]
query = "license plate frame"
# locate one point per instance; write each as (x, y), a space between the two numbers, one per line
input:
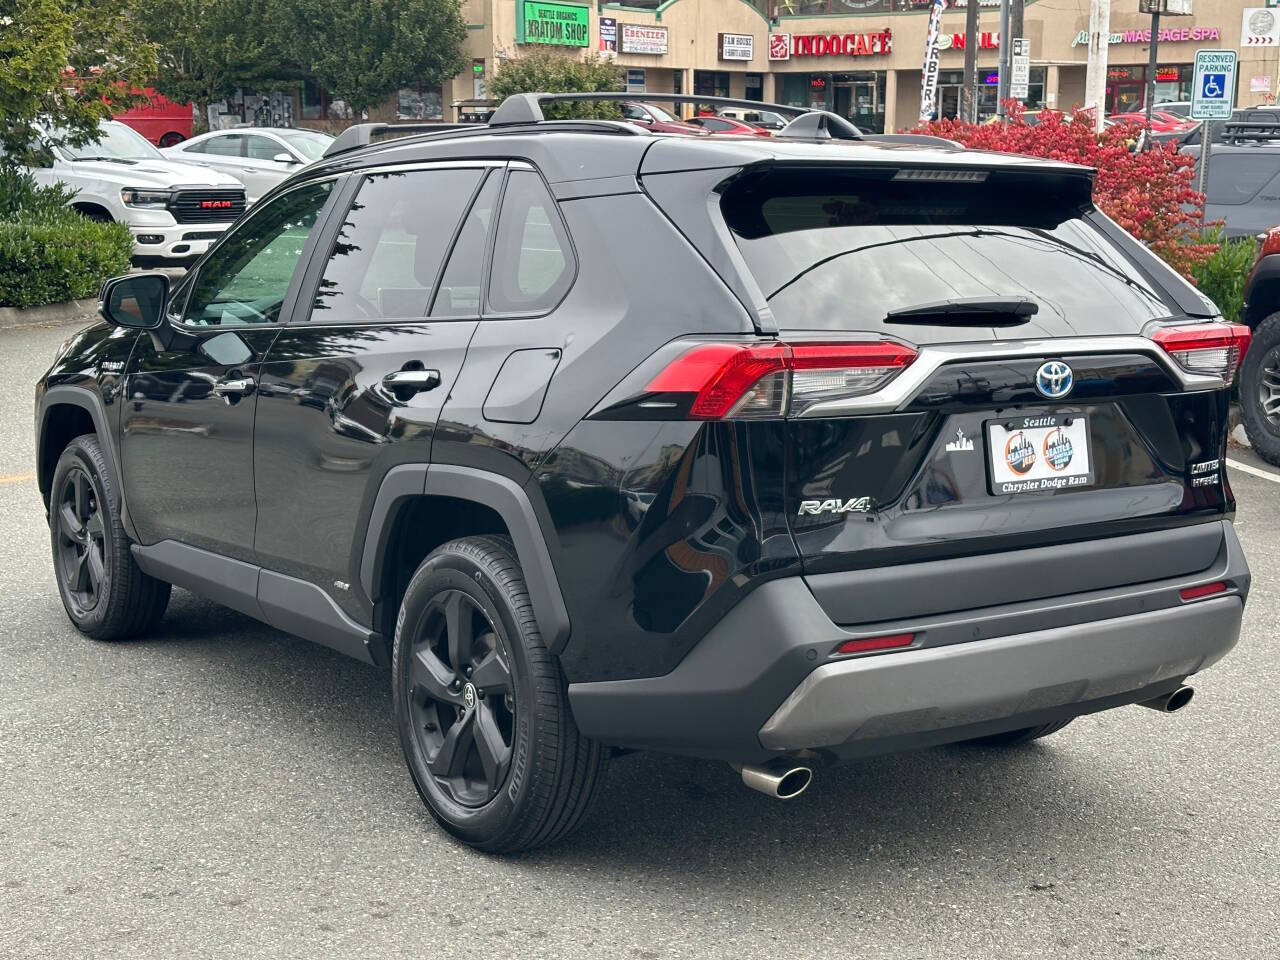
(1046, 439)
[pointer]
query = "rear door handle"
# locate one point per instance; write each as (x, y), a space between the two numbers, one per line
(412, 381)
(234, 388)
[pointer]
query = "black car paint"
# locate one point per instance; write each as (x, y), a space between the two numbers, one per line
(654, 530)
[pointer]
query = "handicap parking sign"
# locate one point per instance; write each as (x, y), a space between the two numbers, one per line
(1213, 87)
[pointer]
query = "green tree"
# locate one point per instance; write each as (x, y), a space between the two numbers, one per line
(545, 71)
(66, 67)
(365, 50)
(208, 48)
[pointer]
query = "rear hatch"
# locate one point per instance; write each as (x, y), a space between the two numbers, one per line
(975, 369)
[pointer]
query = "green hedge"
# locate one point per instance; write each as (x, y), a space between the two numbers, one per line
(64, 258)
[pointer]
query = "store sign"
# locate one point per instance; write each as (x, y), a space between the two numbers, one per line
(735, 46)
(956, 41)
(1260, 84)
(639, 38)
(608, 38)
(841, 45)
(1167, 75)
(779, 46)
(1144, 36)
(1259, 27)
(929, 72)
(558, 24)
(635, 80)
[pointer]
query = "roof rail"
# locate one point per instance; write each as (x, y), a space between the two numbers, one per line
(527, 107)
(1236, 131)
(363, 134)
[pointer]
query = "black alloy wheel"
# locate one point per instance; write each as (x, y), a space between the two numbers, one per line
(1269, 387)
(459, 689)
(81, 541)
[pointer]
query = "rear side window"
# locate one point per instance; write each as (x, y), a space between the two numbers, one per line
(841, 250)
(459, 291)
(391, 245)
(532, 262)
(227, 146)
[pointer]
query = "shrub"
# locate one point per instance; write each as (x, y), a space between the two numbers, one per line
(1148, 192)
(21, 198)
(544, 71)
(64, 258)
(1221, 277)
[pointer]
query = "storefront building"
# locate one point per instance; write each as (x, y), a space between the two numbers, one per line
(859, 58)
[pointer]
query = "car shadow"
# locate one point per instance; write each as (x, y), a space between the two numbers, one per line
(660, 814)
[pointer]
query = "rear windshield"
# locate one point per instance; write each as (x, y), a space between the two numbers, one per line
(842, 251)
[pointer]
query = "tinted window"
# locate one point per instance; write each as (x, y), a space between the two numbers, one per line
(245, 278)
(262, 148)
(841, 251)
(532, 265)
(459, 293)
(391, 245)
(228, 146)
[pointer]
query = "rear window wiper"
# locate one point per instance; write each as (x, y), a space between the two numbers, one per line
(969, 311)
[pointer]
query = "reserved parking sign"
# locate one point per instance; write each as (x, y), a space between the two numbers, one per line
(1213, 86)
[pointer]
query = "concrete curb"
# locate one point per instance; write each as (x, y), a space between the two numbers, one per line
(49, 314)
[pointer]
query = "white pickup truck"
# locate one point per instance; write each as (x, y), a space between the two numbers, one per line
(174, 210)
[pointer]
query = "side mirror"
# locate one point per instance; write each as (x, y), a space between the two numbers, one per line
(135, 301)
(283, 157)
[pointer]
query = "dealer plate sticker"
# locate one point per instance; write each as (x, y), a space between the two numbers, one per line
(1043, 452)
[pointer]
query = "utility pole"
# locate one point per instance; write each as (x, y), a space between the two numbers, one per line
(1002, 85)
(1095, 76)
(969, 94)
(1151, 68)
(1015, 19)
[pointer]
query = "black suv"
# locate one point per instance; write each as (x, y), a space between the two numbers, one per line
(773, 451)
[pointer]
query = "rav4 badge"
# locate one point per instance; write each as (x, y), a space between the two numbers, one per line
(815, 507)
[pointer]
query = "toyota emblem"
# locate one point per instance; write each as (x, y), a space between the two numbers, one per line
(1054, 380)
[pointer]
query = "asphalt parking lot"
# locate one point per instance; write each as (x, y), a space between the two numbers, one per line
(222, 789)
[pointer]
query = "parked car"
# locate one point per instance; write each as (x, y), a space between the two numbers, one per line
(1263, 115)
(723, 125)
(1178, 108)
(259, 157)
(1161, 122)
(1243, 189)
(1260, 371)
(163, 122)
(767, 119)
(174, 210)
(766, 510)
(656, 120)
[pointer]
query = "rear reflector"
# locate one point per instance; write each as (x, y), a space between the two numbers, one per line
(1207, 349)
(777, 379)
(877, 643)
(1203, 590)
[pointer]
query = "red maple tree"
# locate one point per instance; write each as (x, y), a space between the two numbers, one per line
(1148, 192)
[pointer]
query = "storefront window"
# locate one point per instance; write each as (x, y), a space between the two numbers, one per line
(754, 86)
(419, 103)
(711, 83)
(951, 87)
(1127, 86)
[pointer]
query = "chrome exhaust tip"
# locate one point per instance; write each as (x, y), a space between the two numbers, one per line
(781, 779)
(1171, 702)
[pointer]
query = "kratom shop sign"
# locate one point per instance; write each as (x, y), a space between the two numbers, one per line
(1172, 35)
(559, 24)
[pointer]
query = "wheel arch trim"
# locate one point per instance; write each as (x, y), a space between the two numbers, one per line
(84, 398)
(501, 494)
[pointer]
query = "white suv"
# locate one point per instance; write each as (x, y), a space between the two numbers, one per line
(174, 210)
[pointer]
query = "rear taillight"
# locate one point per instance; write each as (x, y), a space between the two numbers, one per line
(1270, 243)
(892, 641)
(1206, 349)
(778, 379)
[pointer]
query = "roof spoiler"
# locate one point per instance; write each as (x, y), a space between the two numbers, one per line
(362, 134)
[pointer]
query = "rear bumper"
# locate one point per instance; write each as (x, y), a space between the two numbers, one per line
(763, 682)
(960, 684)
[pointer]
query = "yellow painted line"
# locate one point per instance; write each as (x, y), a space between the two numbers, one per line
(17, 478)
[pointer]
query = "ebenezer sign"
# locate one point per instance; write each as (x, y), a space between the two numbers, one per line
(638, 38)
(559, 24)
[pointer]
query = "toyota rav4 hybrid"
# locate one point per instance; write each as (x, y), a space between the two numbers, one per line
(908, 445)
